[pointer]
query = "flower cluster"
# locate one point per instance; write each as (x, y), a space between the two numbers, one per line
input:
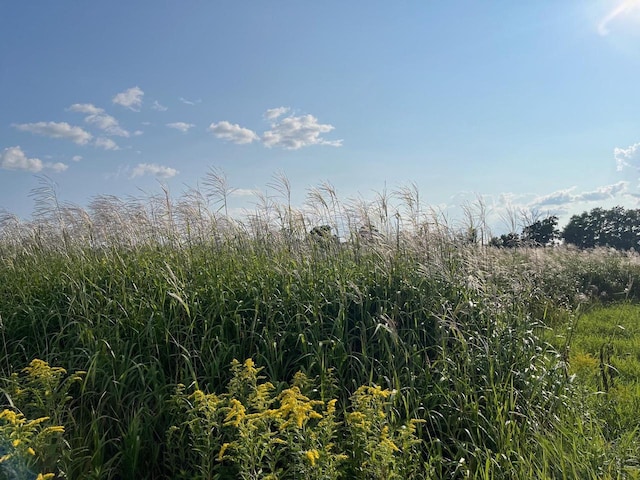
(255, 434)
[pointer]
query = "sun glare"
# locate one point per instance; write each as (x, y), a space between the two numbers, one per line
(627, 9)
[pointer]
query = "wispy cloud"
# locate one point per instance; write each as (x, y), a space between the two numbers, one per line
(190, 102)
(159, 171)
(243, 192)
(603, 193)
(627, 157)
(76, 158)
(182, 126)
(57, 130)
(13, 158)
(558, 197)
(624, 7)
(294, 132)
(106, 143)
(233, 132)
(274, 113)
(157, 106)
(130, 98)
(567, 196)
(97, 117)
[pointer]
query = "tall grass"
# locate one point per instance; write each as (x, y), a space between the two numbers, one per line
(148, 294)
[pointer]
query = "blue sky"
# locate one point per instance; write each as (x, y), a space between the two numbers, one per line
(527, 105)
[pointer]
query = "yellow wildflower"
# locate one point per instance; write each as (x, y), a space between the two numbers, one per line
(312, 456)
(250, 366)
(237, 412)
(357, 419)
(296, 408)
(10, 416)
(30, 451)
(386, 441)
(46, 476)
(16, 442)
(331, 407)
(222, 450)
(54, 429)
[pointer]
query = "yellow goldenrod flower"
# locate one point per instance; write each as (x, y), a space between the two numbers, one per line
(30, 451)
(198, 396)
(10, 416)
(16, 442)
(46, 476)
(222, 450)
(250, 366)
(357, 419)
(237, 412)
(312, 456)
(54, 429)
(331, 406)
(296, 408)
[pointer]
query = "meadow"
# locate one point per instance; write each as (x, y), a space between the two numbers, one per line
(162, 338)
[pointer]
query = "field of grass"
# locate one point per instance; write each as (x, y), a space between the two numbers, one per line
(164, 342)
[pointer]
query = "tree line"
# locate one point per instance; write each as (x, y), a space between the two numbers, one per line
(617, 228)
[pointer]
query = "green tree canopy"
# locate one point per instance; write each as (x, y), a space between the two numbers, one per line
(617, 228)
(542, 232)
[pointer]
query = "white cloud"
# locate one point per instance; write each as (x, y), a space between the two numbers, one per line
(564, 197)
(190, 102)
(558, 197)
(274, 113)
(137, 133)
(182, 126)
(57, 167)
(86, 108)
(159, 171)
(244, 192)
(602, 193)
(289, 132)
(233, 132)
(106, 143)
(100, 119)
(625, 7)
(13, 158)
(157, 106)
(76, 158)
(131, 98)
(292, 133)
(57, 130)
(627, 157)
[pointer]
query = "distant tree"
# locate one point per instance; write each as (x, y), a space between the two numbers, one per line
(368, 233)
(322, 233)
(507, 240)
(541, 232)
(617, 228)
